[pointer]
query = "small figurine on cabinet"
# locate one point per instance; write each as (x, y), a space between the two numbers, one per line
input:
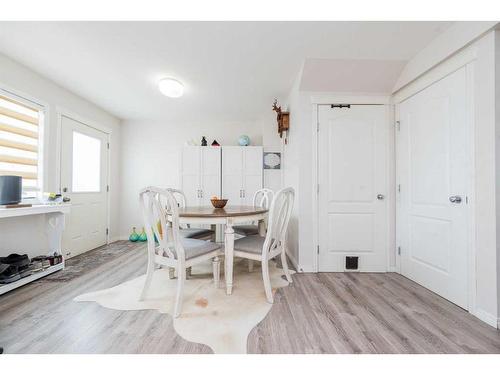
(203, 141)
(215, 143)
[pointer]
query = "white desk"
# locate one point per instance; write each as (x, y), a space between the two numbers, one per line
(54, 226)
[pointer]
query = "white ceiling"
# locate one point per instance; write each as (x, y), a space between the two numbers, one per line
(231, 70)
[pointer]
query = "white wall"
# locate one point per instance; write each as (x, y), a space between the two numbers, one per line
(150, 156)
(17, 78)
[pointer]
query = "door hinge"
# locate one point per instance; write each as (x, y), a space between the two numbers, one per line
(317, 189)
(340, 106)
(399, 250)
(107, 231)
(399, 188)
(398, 125)
(318, 249)
(107, 188)
(317, 126)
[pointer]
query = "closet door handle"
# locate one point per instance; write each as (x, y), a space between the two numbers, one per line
(201, 193)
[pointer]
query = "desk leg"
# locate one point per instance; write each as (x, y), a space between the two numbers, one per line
(229, 252)
(54, 230)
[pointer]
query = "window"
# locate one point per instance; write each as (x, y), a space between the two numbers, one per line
(86, 163)
(20, 125)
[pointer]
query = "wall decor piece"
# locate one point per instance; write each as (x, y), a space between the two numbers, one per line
(203, 141)
(244, 140)
(215, 143)
(272, 160)
(283, 119)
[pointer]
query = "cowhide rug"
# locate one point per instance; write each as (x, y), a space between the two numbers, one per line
(209, 316)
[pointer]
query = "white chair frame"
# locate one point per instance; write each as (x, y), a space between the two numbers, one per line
(158, 205)
(261, 198)
(275, 240)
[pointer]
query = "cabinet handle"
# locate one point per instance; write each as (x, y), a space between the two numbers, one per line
(243, 193)
(201, 193)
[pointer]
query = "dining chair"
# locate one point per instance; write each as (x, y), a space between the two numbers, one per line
(261, 198)
(263, 249)
(166, 247)
(187, 231)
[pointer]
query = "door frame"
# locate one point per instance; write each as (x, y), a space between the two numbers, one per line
(63, 112)
(464, 60)
(374, 99)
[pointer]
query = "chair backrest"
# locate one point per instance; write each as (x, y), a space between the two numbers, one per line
(179, 197)
(157, 205)
(279, 216)
(263, 198)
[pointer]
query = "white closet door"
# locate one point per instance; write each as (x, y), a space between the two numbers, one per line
(232, 174)
(352, 170)
(252, 173)
(433, 168)
(190, 174)
(210, 173)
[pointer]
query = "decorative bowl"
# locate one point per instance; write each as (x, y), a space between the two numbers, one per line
(218, 203)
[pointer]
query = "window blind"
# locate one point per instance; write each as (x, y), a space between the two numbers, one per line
(19, 141)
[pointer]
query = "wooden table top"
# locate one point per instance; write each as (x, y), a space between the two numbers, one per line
(209, 211)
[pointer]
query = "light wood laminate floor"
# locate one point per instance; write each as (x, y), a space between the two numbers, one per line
(319, 313)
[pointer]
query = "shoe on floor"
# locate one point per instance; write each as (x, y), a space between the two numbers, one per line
(16, 260)
(9, 275)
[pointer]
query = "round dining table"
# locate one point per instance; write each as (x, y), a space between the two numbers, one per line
(227, 216)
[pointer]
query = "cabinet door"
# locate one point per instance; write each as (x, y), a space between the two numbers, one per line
(232, 174)
(190, 174)
(210, 173)
(252, 172)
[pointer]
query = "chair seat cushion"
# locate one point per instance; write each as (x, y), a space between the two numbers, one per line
(194, 248)
(246, 230)
(250, 244)
(195, 232)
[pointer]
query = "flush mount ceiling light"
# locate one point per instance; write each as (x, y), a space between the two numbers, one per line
(171, 87)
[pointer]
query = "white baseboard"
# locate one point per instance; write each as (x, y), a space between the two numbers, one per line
(392, 269)
(488, 318)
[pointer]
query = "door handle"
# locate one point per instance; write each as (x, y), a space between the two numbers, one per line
(456, 199)
(65, 189)
(380, 197)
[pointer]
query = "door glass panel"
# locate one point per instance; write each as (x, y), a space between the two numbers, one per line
(86, 163)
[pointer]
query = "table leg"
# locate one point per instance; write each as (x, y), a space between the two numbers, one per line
(229, 253)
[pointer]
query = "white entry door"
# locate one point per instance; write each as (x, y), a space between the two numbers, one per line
(352, 175)
(432, 173)
(84, 176)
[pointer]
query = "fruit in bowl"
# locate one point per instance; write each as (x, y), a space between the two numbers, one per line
(218, 202)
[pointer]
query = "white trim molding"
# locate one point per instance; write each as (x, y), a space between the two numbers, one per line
(486, 317)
